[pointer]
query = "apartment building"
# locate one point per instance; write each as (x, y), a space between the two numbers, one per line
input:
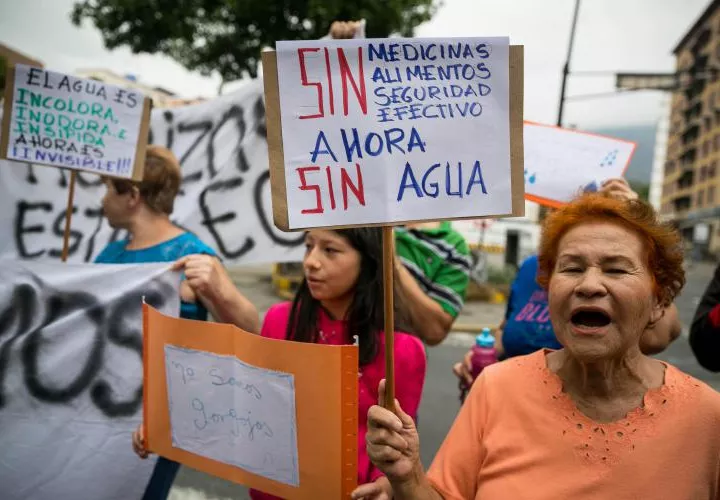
(691, 185)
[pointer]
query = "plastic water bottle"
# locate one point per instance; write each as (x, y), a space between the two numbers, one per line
(484, 353)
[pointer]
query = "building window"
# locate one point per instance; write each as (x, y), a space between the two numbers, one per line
(699, 200)
(711, 170)
(703, 173)
(716, 146)
(711, 194)
(705, 148)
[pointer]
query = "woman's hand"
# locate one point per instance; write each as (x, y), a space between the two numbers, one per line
(618, 188)
(463, 370)
(138, 442)
(204, 277)
(340, 30)
(380, 489)
(392, 441)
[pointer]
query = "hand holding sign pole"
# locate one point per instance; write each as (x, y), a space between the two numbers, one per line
(387, 132)
(68, 122)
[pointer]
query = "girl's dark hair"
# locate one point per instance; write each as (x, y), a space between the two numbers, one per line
(365, 316)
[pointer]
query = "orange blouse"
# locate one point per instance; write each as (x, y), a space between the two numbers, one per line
(519, 436)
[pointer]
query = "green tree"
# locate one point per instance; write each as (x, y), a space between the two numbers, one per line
(227, 36)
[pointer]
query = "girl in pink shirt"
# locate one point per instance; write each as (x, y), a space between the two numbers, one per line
(342, 297)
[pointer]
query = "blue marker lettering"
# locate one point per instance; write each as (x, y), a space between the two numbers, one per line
(317, 151)
(476, 172)
(448, 182)
(408, 181)
(351, 148)
(368, 144)
(433, 185)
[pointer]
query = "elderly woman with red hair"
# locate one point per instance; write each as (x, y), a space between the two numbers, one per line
(596, 419)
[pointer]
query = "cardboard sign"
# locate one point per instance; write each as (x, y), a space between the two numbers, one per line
(382, 132)
(69, 122)
(562, 163)
(277, 416)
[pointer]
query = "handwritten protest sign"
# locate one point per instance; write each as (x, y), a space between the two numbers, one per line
(281, 417)
(233, 412)
(562, 163)
(379, 132)
(61, 120)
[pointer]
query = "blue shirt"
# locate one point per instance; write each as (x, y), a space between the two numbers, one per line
(167, 251)
(527, 317)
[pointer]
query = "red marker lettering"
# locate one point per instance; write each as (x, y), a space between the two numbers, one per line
(358, 189)
(346, 75)
(304, 186)
(317, 85)
(330, 85)
(330, 188)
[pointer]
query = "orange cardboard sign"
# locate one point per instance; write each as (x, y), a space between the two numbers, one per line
(277, 416)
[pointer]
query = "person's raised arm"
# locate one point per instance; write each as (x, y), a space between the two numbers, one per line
(208, 280)
(430, 321)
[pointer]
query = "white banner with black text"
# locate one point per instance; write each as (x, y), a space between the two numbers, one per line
(71, 377)
(225, 197)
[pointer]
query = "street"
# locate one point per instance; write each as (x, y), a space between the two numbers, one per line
(440, 396)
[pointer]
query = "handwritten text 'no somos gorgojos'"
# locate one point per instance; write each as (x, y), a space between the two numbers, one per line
(238, 422)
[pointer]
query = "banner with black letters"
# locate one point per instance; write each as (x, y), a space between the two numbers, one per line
(225, 196)
(71, 377)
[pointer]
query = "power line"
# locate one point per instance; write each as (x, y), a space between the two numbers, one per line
(614, 93)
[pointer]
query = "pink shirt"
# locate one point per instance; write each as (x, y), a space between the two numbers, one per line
(410, 364)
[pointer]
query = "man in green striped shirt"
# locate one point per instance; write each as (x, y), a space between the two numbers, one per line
(434, 275)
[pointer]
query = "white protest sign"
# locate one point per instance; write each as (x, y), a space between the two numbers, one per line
(65, 121)
(386, 131)
(225, 196)
(71, 377)
(562, 163)
(232, 412)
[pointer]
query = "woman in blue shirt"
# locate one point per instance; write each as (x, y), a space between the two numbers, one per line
(143, 209)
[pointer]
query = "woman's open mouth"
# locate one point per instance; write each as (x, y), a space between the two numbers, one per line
(590, 320)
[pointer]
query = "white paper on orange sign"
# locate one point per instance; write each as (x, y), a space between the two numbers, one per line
(233, 412)
(562, 163)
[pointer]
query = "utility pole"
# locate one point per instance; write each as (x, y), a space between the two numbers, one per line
(566, 68)
(566, 72)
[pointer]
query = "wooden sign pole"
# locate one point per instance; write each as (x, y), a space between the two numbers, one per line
(68, 216)
(388, 289)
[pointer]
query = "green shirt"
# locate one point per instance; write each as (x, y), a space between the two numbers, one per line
(439, 260)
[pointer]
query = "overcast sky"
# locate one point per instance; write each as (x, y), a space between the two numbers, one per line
(612, 35)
